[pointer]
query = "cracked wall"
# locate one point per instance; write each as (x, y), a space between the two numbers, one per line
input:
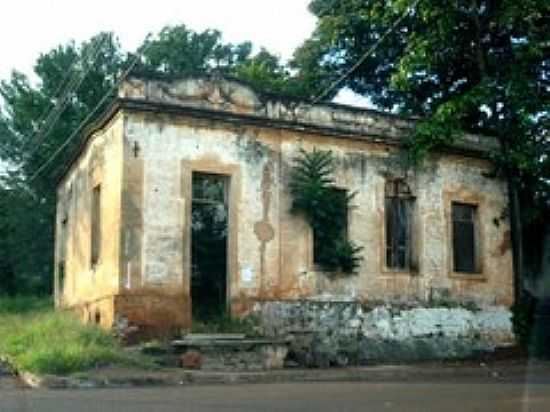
(80, 285)
(145, 158)
(272, 249)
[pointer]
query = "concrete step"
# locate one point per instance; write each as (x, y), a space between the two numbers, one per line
(223, 352)
(222, 342)
(214, 336)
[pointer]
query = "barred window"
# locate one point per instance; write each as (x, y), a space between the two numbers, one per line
(398, 216)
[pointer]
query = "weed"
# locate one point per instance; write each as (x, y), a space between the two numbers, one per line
(36, 338)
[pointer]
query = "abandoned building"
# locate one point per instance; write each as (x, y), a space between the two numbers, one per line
(177, 208)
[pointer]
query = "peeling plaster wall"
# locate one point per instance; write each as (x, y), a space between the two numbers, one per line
(253, 202)
(271, 250)
(323, 334)
(84, 285)
(150, 152)
(235, 97)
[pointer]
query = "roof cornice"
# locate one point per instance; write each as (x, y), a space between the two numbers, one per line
(232, 101)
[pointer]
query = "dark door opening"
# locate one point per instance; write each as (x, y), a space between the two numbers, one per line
(209, 227)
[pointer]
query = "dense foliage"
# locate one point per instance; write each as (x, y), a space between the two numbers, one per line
(325, 206)
(460, 65)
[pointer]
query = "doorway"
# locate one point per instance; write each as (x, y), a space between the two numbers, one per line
(209, 232)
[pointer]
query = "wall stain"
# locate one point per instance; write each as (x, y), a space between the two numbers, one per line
(250, 149)
(263, 229)
(506, 243)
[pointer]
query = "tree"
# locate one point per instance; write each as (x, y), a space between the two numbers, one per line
(31, 131)
(25, 231)
(176, 51)
(265, 72)
(73, 80)
(461, 65)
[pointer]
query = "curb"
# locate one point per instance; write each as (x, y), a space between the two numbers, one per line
(386, 373)
(35, 381)
(481, 372)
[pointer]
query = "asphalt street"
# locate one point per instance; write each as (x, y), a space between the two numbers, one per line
(341, 396)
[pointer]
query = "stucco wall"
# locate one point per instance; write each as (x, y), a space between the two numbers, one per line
(144, 158)
(273, 246)
(100, 163)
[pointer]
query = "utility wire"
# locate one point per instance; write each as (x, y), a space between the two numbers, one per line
(72, 87)
(58, 91)
(315, 100)
(364, 57)
(90, 115)
(68, 82)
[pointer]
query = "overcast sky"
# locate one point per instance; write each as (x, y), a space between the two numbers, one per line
(30, 27)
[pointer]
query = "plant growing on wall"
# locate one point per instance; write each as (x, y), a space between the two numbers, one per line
(325, 206)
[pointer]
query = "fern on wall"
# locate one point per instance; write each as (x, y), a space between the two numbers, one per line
(325, 206)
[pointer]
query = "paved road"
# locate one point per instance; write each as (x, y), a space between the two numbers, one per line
(341, 397)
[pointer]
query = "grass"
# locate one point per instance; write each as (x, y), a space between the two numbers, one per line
(36, 338)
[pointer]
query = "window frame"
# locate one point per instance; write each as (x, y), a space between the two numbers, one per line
(95, 226)
(398, 189)
(476, 246)
(232, 172)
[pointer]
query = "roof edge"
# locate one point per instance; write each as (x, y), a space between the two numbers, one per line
(229, 99)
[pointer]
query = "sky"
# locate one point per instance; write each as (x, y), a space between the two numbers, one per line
(31, 27)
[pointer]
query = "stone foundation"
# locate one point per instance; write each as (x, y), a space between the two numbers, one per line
(139, 314)
(219, 352)
(147, 314)
(340, 333)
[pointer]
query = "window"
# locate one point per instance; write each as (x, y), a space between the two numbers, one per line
(96, 226)
(61, 277)
(62, 241)
(464, 237)
(337, 214)
(209, 188)
(398, 209)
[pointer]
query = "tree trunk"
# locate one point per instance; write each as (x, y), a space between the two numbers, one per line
(517, 238)
(516, 226)
(545, 263)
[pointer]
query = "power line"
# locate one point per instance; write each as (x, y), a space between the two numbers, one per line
(64, 82)
(90, 115)
(365, 55)
(136, 59)
(68, 81)
(45, 114)
(72, 86)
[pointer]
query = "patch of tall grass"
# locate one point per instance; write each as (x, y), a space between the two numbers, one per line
(36, 338)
